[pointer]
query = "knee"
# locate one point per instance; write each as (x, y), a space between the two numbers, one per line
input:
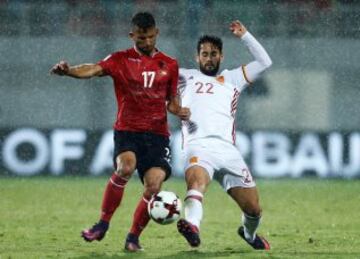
(125, 164)
(151, 189)
(253, 211)
(125, 170)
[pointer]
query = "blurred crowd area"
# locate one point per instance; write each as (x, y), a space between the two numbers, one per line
(268, 18)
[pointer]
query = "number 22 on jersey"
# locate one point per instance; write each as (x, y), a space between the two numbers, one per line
(202, 88)
(148, 77)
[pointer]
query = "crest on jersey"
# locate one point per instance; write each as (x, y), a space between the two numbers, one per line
(163, 73)
(193, 160)
(220, 79)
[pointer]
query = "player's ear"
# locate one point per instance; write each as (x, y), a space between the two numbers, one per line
(221, 57)
(131, 35)
(197, 58)
(157, 31)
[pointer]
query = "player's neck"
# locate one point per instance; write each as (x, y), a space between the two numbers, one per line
(211, 75)
(151, 54)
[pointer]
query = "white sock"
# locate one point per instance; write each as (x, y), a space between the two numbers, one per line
(193, 207)
(250, 226)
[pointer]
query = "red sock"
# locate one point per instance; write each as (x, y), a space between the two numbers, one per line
(141, 217)
(112, 196)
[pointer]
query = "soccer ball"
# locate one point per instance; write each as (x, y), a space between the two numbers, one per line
(164, 207)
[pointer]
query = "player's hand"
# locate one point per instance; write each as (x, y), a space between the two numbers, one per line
(184, 113)
(237, 28)
(61, 68)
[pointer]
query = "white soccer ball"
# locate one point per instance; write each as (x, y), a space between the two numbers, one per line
(164, 207)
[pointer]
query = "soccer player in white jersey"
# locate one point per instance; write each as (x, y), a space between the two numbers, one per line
(209, 135)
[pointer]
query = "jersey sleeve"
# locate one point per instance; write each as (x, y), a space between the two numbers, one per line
(182, 82)
(108, 63)
(262, 60)
(246, 74)
(237, 77)
(174, 80)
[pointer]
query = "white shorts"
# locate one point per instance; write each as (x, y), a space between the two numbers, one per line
(222, 161)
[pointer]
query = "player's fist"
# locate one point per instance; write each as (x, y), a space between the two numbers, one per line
(61, 68)
(184, 113)
(237, 28)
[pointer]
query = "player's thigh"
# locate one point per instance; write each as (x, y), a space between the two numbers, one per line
(232, 160)
(154, 154)
(247, 199)
(125, 150)
(199, 156)
(197, 177)
(234, 171)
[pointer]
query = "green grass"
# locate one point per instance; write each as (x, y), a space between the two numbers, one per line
(42, 217)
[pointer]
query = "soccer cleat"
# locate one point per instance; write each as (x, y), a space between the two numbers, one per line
(259, 242)
(189, 231)
(132, 243)
(97, 232)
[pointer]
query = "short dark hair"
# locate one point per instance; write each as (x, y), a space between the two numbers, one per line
(216, 41)
(143, 20)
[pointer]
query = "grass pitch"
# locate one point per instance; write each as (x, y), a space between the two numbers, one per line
(42, 217)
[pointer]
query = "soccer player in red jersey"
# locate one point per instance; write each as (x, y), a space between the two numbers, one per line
(145, 82)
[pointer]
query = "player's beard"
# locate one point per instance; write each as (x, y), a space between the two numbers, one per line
(210, 72)
(147, 50)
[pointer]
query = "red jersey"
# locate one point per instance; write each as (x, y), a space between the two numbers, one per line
(142, 84)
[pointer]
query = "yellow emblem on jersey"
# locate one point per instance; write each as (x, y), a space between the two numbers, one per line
(193, 160)
(220, 79)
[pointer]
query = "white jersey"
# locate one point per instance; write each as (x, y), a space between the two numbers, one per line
(213, 100)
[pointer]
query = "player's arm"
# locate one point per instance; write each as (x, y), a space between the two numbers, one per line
(262, 60)
(173, 97)
(174, 107)
(79, 71)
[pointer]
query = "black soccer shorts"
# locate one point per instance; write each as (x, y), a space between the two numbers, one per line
(151, 150)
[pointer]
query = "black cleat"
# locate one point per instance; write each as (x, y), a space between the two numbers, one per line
(132, 243)
(259, 242)
(189, 231)
(97, 232)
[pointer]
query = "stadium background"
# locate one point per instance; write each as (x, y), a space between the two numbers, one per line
(300, 119)
(299, 122)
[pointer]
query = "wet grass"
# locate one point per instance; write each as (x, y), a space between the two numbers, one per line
(42, 217)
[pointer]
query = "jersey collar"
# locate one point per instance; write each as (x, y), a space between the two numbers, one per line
(140, 54)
